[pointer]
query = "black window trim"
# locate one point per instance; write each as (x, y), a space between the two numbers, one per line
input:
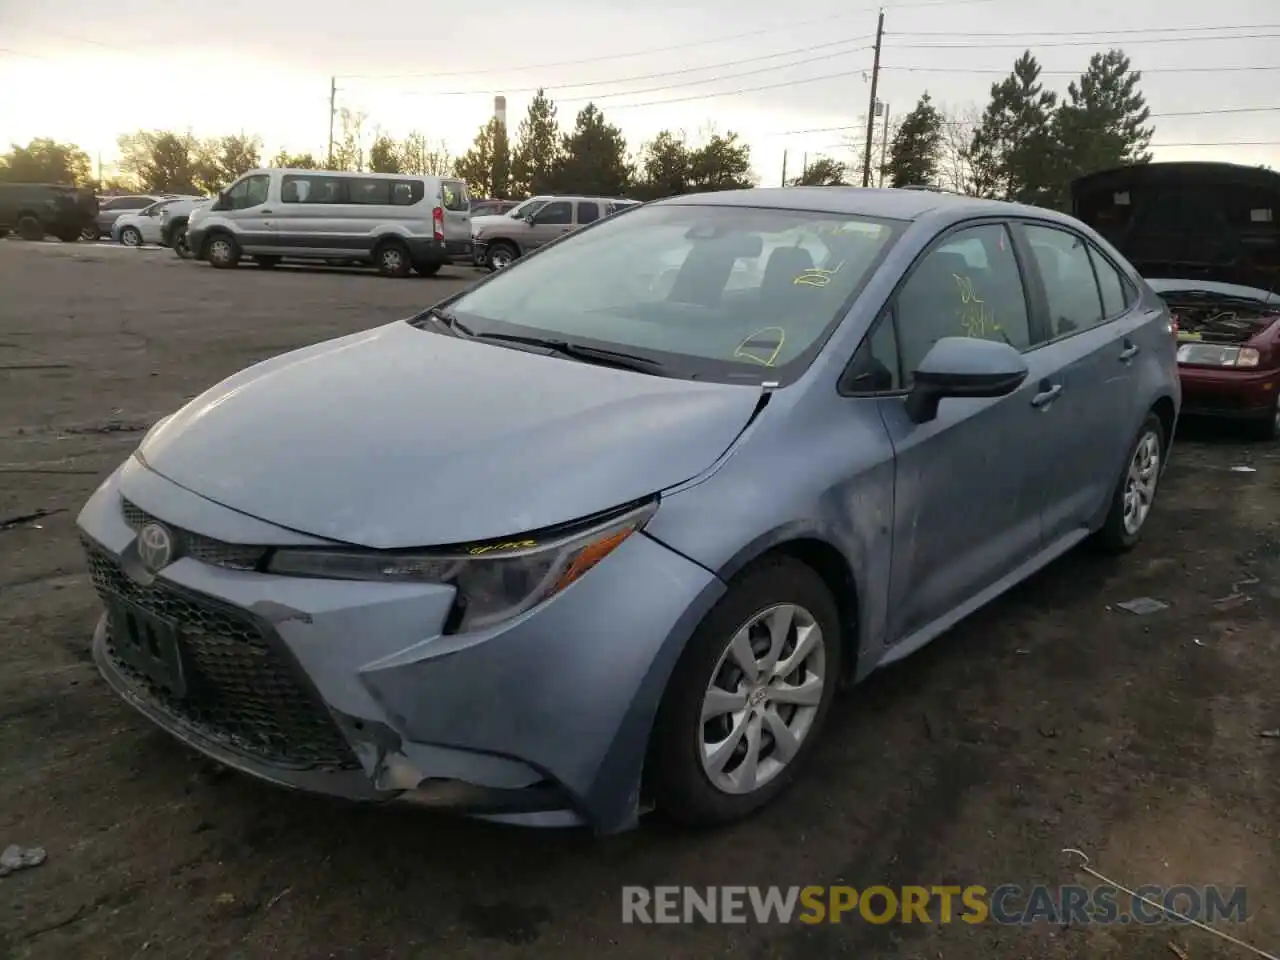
(1130, 300)
(1127, 290)
(888, 312)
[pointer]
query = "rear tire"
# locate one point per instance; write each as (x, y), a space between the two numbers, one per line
(29, 228)
(178, 240)
(69, 236)
(1135, 492)
(222, 251)
(427, 269)
(267, 263)
(392, 259)
(90, 234)
(1268, 429)
(708, 695)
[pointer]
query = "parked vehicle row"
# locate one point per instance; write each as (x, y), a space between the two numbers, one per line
(36, 210)
(147, 225)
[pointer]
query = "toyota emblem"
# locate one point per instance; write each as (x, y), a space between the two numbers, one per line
(155, 546)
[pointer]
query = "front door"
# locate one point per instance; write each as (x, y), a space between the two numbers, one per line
(964, 514)
(1088, 358)
(248, 206)
(555, 219)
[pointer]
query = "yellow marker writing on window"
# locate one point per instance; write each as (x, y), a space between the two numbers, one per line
(816, 276)
(974, 315)
(768, 341)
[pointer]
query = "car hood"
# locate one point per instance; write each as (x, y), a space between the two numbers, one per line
(1190, 220)
(489, 220)
(400, 437)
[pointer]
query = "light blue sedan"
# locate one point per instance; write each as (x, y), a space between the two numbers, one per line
(594, 535)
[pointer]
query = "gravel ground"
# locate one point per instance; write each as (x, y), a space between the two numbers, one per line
(1050, 719)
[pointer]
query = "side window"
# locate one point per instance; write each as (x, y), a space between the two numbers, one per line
(1069, 284)
(108, 205)
(947, 297)
(369, 191)
(405, 193)
(304, 189)
(876, 367)
(556, 213)
(1115, 298)
(249, 192)
(455, 195)
(588, 212)
(135, 203)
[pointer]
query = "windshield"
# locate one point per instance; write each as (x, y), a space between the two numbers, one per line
(528, 208)
(712, 292)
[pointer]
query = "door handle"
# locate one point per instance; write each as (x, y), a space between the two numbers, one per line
(264, 211)
(1129, 352)
(1046, 397)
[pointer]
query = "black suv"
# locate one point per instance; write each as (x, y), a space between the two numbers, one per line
(34, 210)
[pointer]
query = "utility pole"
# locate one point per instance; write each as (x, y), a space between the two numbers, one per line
(784, 168)
(333, 109)
(871, 109)
(884, 142)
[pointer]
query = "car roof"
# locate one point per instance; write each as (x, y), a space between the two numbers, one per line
(886, 204)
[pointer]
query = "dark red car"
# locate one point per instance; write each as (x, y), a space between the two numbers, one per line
(1206, 237)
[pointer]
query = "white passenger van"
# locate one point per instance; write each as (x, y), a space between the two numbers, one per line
(396, 222)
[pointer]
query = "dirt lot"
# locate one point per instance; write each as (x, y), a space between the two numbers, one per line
(1051, 719)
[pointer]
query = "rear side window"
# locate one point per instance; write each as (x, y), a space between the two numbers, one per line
(455, 195)
(1074, 301)
(588, 212)
(312, 189)
(1115, 292)
(405, 193)
(369, 191)
(134, 203)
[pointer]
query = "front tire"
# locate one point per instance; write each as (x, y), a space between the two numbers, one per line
(131, 237)
(500, 255)
(1268, 429)
(222, 251)
(1135, 494)
(267, 263)
(178, 240)
(748, 697)
(29, 228)
(89, 233)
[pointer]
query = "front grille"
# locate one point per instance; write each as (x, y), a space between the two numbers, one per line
(242, 690)
(197, 546)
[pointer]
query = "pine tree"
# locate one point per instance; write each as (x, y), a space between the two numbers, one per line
(1012, 152)
(915, 154)
(486, 167)
(536, 159)
(594, 156)
(1102, 122)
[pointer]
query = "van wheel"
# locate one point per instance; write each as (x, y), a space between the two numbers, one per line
(222, 251)
(427, 269)
(178, 240)
(748, 697)
(89, 233)
(392, 259)
(29, 228)
(267, 263)
(500, 255)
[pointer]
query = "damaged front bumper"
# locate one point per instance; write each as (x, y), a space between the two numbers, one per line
(350, 689)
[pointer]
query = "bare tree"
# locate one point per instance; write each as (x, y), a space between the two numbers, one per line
(956, 167)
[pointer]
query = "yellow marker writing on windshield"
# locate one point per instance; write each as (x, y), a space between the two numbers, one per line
(816, 276)
(770, 338)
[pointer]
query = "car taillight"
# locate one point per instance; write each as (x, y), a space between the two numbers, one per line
(437, 222)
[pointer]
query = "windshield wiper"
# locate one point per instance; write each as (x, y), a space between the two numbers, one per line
(578, 351)
(445, 319)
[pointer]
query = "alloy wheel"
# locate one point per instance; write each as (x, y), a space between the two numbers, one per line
(1140, 482)
(220, 251)
(763, 698)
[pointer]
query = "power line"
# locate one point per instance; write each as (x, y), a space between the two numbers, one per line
(609, 58)
(1037, 45)
(733, 93)
(1075, 33)
(669, 73)
(1223, 143)
(1075, 73)
(1153, 116)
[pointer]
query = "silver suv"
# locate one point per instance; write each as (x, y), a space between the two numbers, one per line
(500, 240)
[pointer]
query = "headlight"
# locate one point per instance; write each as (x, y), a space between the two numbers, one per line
(495, 581)
(1215, 355)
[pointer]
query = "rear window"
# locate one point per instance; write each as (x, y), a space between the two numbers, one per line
(312, 189)
(405, 193)
(455, 195)
(369, 191)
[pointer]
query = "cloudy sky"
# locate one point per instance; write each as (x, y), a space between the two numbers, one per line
(86, 70)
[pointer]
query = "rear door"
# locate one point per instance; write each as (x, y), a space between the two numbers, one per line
(1090, 345)
(588, 211)
(457, 216)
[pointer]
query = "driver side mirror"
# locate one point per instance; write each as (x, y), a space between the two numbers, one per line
(220, 203)
(957, 367)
